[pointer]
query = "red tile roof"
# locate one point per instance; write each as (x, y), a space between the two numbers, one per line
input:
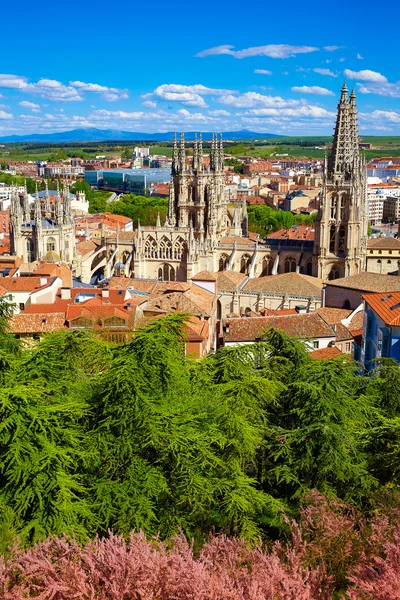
(326, 353)
(303, 326)
(38, 323)
(386, 306)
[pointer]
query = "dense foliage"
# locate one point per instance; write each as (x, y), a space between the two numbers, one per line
(264, 219)
(96, 438)
(141, 208)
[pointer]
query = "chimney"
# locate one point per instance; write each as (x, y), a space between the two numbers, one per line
(301, 310)
(65, 293)
(105, 293)
(43, 280)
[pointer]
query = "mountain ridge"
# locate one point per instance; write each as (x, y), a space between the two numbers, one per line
(115, 135)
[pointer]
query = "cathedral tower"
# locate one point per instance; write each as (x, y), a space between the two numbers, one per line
(341, 229)
(197, 192)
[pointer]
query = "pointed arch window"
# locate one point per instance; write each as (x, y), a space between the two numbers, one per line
(267, 266)
(245, 262)
(179, 249)
(332, 239)
(150, 248)
(51, 245)
(333, 206)
(166, 273)
(165, 249)
(290, 264)
(342, 239)
(223, 262)
(334, 273)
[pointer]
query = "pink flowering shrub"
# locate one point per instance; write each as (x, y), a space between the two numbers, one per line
(332, 549)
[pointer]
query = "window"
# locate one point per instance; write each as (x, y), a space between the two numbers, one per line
(267, 266)
(290, 264)
(245, 264)
(223, 262)
(332, 238)
(342, 236)
(334, 273)
(21, 306)
(333, 207)
(166, 273)
(348, 346)
(315, 344)
(51, 245)
(389, 262)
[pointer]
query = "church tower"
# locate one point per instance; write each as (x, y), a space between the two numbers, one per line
(341, 229)
(197, 193)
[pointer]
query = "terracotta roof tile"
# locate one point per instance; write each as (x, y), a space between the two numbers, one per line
(368, 282)
(295, 284)
(326, 353)
(38, 323)
(250, 329)
(386, 306)
(384, 243)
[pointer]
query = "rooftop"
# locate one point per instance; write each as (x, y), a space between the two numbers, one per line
(301, 326)
(294, 284)
(368, 282)
(386, 306)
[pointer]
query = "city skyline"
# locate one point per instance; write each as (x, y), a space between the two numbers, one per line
(170, 69)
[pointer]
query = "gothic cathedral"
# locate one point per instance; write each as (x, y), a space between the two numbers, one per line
(341, 230)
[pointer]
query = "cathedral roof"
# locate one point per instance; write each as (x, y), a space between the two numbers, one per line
(368, 282)
(294, 284)
(52, 257)
(301, 326)
(204, 276)
(228, 281)
(383, 243)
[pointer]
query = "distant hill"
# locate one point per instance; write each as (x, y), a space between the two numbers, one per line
(104, 135)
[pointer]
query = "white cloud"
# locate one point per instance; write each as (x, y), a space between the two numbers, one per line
(262, 72)
(26, 104)
(189, 95)
(331, 48)
(365, 75)
(255, 100)
(359, 56)
(46, 88)
(316, 112)
(150, 104)
(312, 89)
(325, 72)
(271, 50)
(5, 115)
(107, 93)
(381, 115)
(219, 113)
(390, 90)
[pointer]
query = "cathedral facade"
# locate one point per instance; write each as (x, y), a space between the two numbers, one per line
(44, 231)
(203, 231)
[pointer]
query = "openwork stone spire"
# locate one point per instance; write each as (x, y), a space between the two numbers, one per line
(345, 153)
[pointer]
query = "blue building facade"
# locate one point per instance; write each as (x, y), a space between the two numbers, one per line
(127, 181)
(381, 329)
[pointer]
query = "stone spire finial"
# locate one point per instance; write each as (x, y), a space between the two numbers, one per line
(38, 210)
(47, 204)
(158, 223)
(182, 153)
(221, 153)
(345, 153)
(195, 153)
(175, 157)
(344, 92)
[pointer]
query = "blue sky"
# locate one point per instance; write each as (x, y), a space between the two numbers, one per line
(153, 66)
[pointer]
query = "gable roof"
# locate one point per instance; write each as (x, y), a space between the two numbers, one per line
(368, 282)
(228, 281)
(301, 326)
(384, 243)
(326, 353)
(295, 284)
(386, 306)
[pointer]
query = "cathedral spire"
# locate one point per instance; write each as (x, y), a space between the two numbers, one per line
(27, 210)
(58, 210)
(344, 151)
(221, 153)
(195, 153)
(175, 167)
(47, 205)
(182, 153)
(200, 153)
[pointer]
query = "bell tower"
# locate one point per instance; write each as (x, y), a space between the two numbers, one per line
(341, 228)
